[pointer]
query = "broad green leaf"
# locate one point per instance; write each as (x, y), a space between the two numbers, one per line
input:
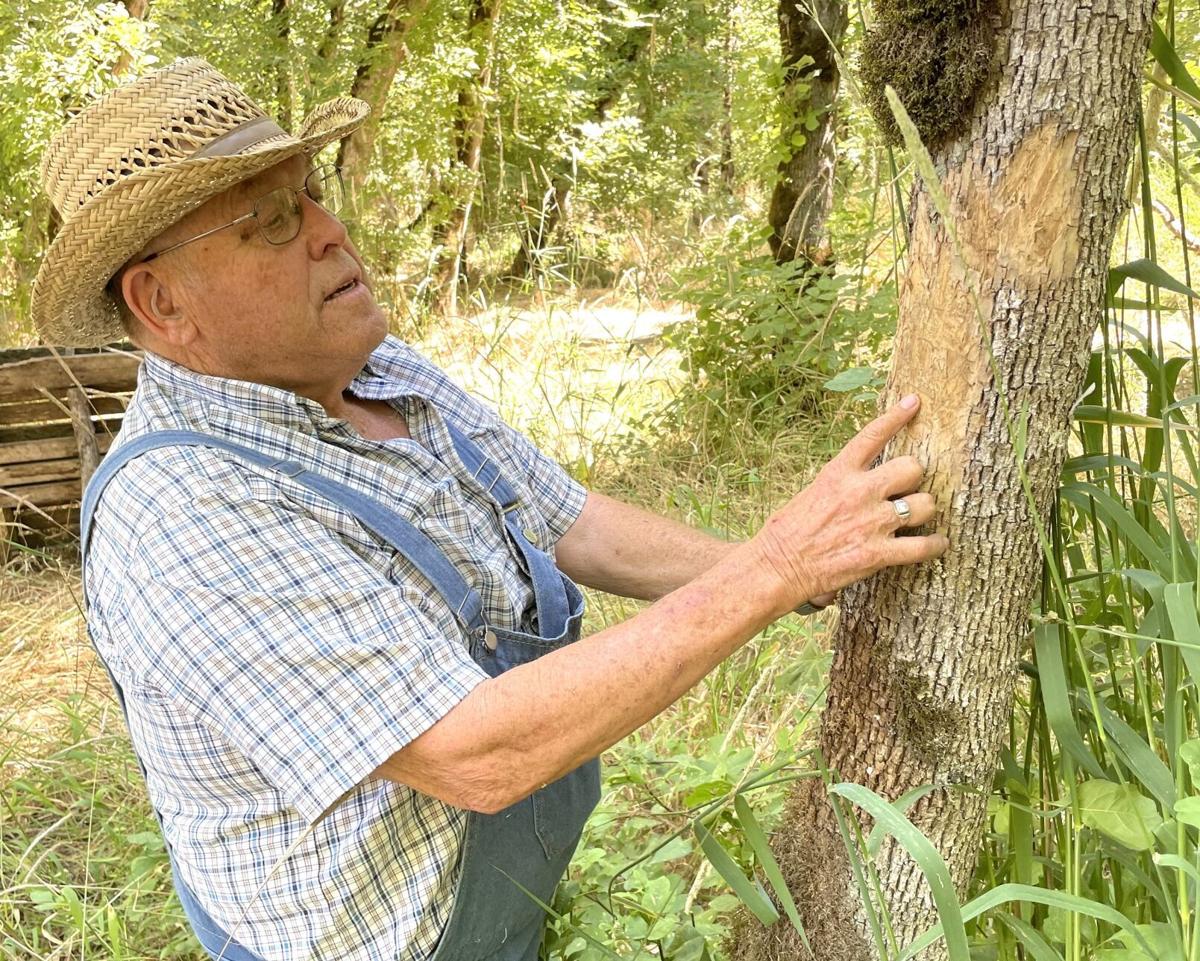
(1187, 810)
(921, 850)
(1120, 812)
(1113, 510)
(1189, 754)
(1162, 944)
(853, 379)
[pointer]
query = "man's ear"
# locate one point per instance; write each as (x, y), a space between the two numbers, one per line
(149, 292)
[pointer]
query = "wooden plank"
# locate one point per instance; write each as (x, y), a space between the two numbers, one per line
(110, 372)
(41, 411)
(13, 354)
(39, 472)
(53, 448)
(53, 494)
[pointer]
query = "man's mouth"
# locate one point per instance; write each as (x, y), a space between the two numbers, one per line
(346, 288)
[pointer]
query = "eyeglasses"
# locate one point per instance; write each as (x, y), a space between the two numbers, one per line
(279, 213)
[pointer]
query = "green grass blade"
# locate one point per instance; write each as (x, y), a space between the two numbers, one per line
(922, 851)
(1122, 518)
(1056, 699)
(750, 893)
(757, 839)
(1146, 272)
(1164, 52)
(1025, 892)
(1141, 762)
(1037, 946)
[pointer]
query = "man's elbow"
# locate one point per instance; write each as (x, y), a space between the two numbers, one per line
(473, 785)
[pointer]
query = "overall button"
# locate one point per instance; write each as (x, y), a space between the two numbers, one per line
(489, 639)
(530, 535)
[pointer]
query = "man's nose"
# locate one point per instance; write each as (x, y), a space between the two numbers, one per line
(322, 228)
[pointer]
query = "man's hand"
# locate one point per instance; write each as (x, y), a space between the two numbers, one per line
(842, 527)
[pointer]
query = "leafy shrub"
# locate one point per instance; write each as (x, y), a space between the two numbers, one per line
(775, 333)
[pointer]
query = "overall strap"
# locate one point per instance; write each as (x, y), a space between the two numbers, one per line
(416, 547)
(549, 594)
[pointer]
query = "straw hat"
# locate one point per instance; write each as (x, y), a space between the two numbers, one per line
(133, 163)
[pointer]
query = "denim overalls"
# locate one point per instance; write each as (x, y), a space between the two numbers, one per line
(527, 845)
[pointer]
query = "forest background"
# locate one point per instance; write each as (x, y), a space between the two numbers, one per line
(627, 227)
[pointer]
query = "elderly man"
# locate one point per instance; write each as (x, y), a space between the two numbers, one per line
(336, 594)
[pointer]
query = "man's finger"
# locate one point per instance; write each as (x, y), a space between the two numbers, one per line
(868, 444)
(903, 475)
(914, 550)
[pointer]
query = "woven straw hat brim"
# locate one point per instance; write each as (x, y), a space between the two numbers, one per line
(69, 304)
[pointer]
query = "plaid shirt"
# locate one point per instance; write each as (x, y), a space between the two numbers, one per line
(273, 653)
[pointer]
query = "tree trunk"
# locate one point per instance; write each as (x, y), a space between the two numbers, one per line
(469, 128)
(803, 195)
(921, 686)
(333, 30)
(384, 53)
(555, 204)
(138, 9)
(285, 86)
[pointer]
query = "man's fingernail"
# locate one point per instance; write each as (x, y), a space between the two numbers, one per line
(909, 401)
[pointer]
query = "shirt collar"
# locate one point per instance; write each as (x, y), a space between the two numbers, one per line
(275, 404)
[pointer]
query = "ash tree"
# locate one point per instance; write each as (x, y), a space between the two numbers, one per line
(1028, 108)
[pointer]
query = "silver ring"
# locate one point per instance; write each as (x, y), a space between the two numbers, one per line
(903, 511)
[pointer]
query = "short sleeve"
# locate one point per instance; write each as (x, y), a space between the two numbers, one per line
(555, 493)
(284, 639)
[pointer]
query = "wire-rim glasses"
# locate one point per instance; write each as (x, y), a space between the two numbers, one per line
(278, 213)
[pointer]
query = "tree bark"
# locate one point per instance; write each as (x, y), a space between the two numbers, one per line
(469, 128)
(385, 51)
(809, 31)
(921, 686)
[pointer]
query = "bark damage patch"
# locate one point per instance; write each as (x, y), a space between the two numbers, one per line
(1018, 232)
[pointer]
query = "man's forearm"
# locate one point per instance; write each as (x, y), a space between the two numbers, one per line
(531, 725)
(625, 550)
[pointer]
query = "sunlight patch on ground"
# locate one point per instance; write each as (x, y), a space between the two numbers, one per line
(573, 376)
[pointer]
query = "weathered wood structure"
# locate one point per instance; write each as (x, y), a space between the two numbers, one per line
(59, 411)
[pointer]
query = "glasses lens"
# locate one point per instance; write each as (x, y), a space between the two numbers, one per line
(278, 215)
(324, 185)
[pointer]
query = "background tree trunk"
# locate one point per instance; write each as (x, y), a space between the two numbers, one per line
(623, 54)
(469, 128)
(285, 84)
(384, 53)
(803, 195)
(926, 658)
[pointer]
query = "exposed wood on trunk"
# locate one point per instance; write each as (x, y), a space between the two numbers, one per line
(469, 127)
(803, 195)
(383, 55)
(921, 687)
